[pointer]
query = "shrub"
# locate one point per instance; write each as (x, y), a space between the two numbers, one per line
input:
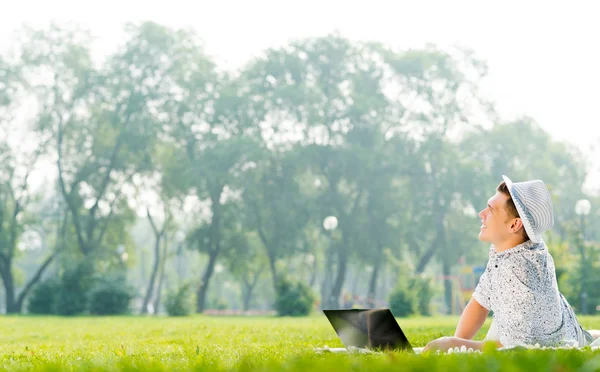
(42, 299)
(424, 291)
(217, 304)
(293, 298)
(403, 301)
(182, 302)
(110, 297)
(75, 282)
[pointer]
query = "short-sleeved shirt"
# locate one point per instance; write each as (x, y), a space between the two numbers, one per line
(519, 286)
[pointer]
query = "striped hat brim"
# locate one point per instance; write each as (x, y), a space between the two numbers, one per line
(536, 238)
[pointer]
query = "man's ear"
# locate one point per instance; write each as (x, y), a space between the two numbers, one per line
(516, 225)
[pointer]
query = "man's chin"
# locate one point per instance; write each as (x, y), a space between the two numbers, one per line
(482, 237)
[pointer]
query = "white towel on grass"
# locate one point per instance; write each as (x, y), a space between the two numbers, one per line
(355, 350)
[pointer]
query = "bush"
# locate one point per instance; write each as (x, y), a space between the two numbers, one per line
(403, 301)
(110, 297)
(72, 297)
(424, 290)
(181, 302)
(293, 298)
(217, 304)
(42, 299)
(412, 295)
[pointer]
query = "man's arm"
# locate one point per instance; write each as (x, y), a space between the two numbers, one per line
(471, 320)
(445, 343)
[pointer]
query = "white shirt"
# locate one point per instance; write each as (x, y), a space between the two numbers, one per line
(519, 286)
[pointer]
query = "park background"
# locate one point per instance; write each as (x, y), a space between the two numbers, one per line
(264, 158)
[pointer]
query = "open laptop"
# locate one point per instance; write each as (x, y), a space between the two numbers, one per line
(374, 329)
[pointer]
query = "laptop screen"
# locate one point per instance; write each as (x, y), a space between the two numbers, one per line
(368, 328)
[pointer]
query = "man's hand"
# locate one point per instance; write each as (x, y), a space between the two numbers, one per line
(442, 344)
(445, 343)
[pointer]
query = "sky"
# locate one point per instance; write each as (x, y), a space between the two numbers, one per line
(541, 54)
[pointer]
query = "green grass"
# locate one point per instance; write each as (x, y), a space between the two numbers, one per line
(237, 343)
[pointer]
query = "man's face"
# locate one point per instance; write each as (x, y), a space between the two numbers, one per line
(496, 226)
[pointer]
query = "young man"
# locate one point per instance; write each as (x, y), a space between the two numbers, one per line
(519, 283)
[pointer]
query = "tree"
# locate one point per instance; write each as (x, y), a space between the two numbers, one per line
(161, 275)
(213, 129)
(244, 258)
(532, 154)
(438, 92)
(276, 208)
(159, 232)
(15, 198)
(315, 92)
(17, 162)
(103, 122)
(160, 200)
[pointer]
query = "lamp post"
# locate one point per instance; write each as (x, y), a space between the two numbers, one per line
(330, 223)
(582, 209)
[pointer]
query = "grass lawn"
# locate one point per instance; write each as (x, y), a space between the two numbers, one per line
(240, 343)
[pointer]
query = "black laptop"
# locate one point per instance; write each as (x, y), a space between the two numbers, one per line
(374, 329)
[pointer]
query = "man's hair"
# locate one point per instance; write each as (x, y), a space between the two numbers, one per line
(510, 206)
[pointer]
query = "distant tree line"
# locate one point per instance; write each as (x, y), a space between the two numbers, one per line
(243, 167)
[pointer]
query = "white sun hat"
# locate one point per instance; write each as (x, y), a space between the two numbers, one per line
(534, 204)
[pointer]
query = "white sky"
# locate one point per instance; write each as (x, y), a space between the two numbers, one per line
(541, 54)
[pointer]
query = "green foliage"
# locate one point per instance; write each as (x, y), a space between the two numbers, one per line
(217, 303)
(565, 261)
(293, 298)
(75, 282)
(403, 301)
(110, 296)
(385, 165)
(181, 302)
(574, 274)
(425, 290)
(42, 299)
(78, 291)
(582, 278)
(412, 296)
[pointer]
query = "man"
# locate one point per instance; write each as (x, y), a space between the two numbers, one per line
(519, 283)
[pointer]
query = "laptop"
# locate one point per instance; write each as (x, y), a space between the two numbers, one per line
(374, 329)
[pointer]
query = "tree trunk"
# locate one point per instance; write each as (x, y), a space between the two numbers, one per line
(326, 284)
(343, 249)
(9, 288)
(203, 289)
(273, 268)
(313, 273)
(357, 275)
(161, 277)
(150, 288)
(427, 256)
(248, 288)
(373, 282)
(246, 296)
(36, 277)
(439, 239)
(15, 305)
(340, 277)
(214, 249)
(447, 286)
